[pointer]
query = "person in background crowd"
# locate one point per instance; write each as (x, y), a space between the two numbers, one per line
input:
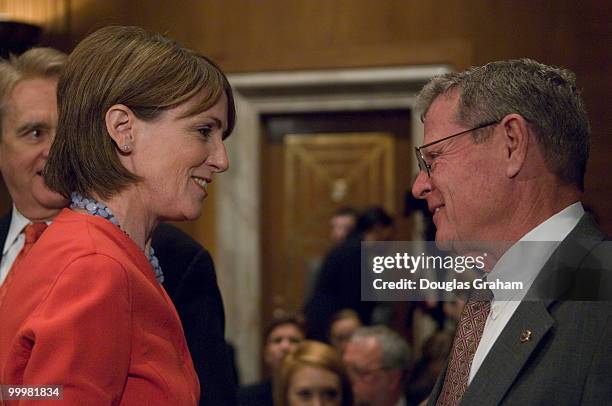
(342, 223)
(502, 170)
(375, 224)
(281, 337)
(313, 374)
(378, 360)
(133, 107)
(343, 324)
(28, 118)
(191, 282)
(428, 367)
(339, 283)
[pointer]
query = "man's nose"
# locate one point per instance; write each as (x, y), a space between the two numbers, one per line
(421, 186)
(47, 147)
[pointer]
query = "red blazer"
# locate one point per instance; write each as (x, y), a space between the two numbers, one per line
(85, 311)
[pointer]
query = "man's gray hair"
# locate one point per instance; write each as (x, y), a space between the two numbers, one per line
(396, 351)
(37, 62)
(546, 96)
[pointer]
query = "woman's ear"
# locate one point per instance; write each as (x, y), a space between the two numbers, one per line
(120, 126)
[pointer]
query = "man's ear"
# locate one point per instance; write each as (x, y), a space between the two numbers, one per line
(120, 122)
(516, 134)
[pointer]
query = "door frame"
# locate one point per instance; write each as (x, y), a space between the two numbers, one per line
(238, 192)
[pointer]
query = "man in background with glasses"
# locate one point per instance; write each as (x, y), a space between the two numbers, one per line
(504, 156)
(377, 359)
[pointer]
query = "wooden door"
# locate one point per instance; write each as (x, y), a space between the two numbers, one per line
(306, 177)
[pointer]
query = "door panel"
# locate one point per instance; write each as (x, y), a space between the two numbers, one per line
(309, 174)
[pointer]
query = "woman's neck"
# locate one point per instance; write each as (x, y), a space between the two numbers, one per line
(132, 213)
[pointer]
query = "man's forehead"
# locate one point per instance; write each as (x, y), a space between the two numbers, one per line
(33, 92)
(31, 103)
(366, 350)
(441, 116)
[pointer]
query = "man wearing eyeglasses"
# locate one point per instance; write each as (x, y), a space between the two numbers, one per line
(503, 162)
(377, 359)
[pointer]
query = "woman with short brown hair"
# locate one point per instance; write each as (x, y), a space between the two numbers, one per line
(141, 127)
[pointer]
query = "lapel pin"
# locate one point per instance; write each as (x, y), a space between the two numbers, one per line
(525, 336)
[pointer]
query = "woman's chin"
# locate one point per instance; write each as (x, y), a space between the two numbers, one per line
(186, 215)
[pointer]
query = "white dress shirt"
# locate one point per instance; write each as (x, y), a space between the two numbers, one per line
(523, 263)
(13, 243)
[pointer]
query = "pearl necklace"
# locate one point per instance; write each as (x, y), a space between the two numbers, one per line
(100, 209)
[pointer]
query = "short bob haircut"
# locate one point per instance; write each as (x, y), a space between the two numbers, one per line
(314, 354)
(146, 72)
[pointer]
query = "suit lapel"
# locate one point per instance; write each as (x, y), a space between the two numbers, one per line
(556, 280)
(508, 355)
(5, 223)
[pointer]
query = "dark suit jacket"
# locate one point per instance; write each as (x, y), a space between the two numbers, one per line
(568, 360)
(338, 287)
(257, 394)
(5, 223)
(191, 283)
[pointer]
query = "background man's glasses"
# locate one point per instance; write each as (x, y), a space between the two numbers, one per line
(363, 374)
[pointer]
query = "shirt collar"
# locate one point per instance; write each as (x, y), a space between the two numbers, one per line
(18, 223)
(524, 260)
(557, 227)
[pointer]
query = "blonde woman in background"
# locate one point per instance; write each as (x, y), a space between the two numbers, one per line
(313, 374)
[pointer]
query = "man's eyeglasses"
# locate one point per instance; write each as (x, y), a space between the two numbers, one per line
(363, 374)
(424, 165)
